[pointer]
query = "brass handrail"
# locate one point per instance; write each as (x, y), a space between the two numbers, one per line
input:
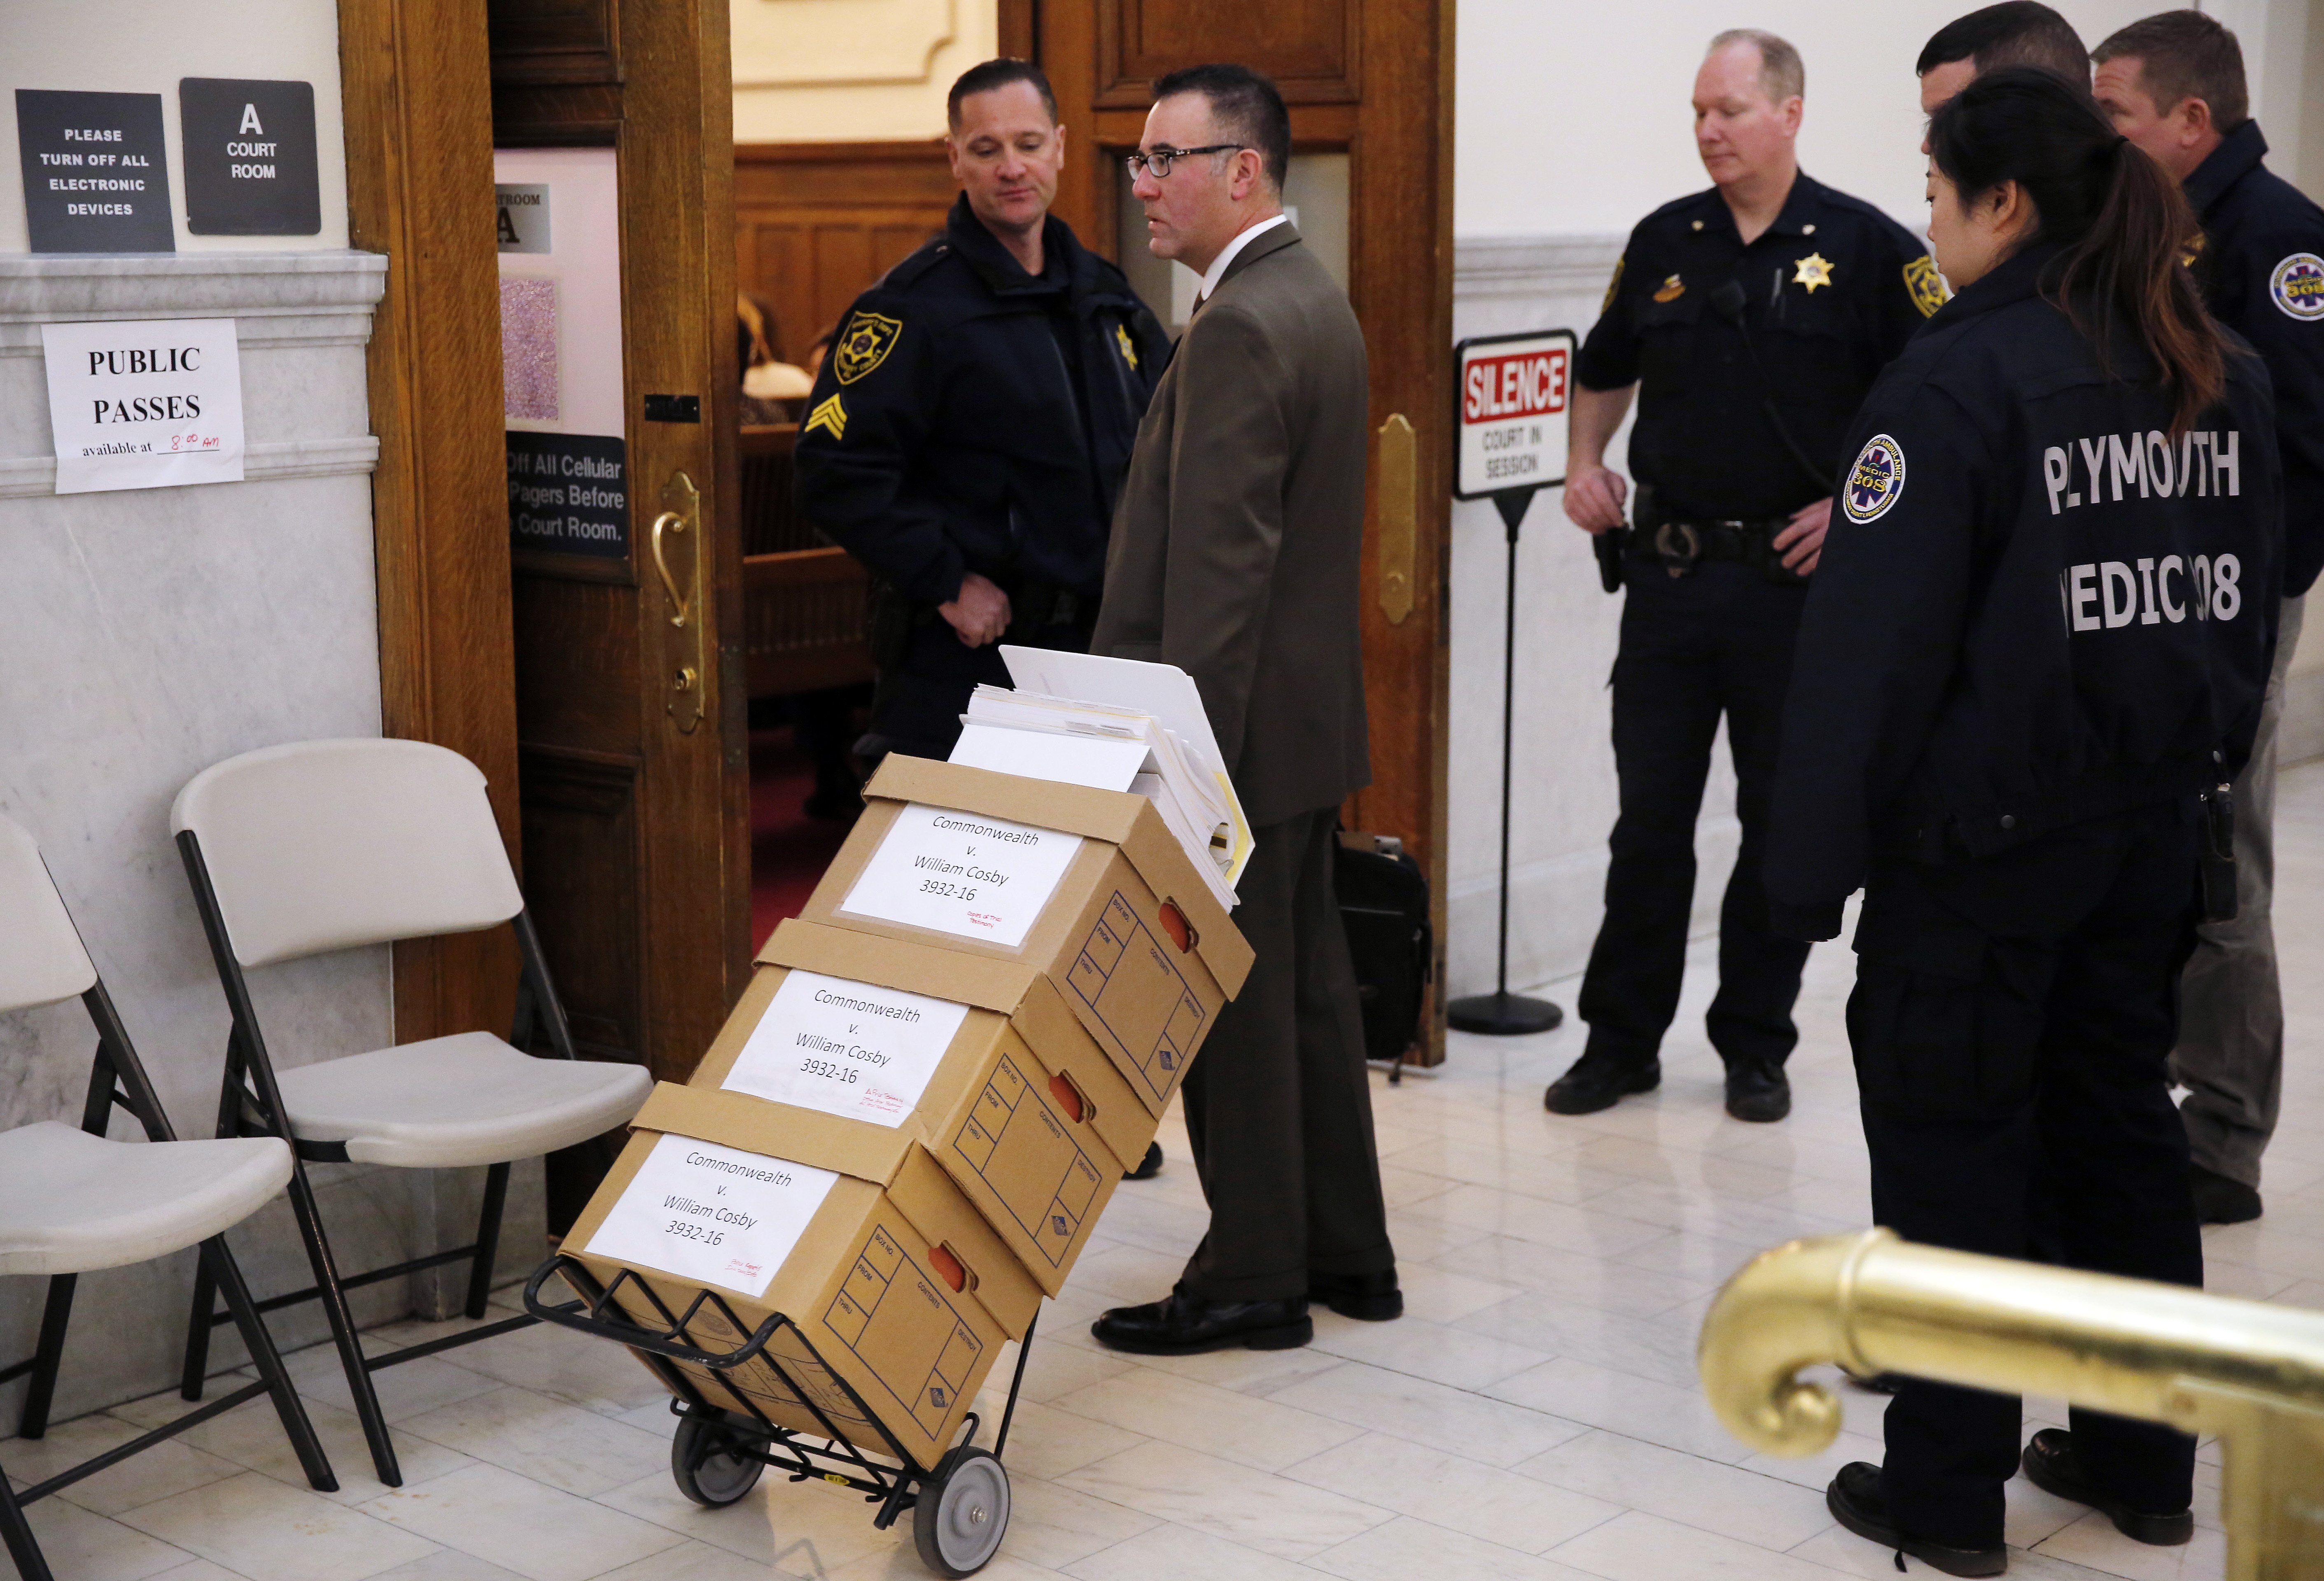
(2251, 1372)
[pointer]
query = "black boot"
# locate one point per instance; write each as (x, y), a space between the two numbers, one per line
(1757, 1090)
(1372, 1298)
(1183, 1324)
(2222, 1199)
(2052, 1466)
(1855, 1501)
(1599, 1080)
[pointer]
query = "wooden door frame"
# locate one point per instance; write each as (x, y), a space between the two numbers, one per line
(416, 83)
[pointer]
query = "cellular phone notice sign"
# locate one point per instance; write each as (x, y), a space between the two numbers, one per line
(1514, 393)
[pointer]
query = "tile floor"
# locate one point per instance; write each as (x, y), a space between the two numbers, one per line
(1535, 1417)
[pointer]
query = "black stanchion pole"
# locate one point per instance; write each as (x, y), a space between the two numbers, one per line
(1500, 1012)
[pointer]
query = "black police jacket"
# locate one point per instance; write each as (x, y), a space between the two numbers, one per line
(974, 418)
(1827, 294)
(2033, 607)
(2262, 268)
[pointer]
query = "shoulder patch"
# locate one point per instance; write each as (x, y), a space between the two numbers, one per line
(1613, 285)
(2297, 287)
(865, 345)
(1876, 480)
(831, 417)
(1925, 284)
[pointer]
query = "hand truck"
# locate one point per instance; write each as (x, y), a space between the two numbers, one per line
(960, 1507)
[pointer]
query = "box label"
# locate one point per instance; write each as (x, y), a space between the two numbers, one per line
(1138, 995)
(961, 873)
(850, 1049)
(713, 1215)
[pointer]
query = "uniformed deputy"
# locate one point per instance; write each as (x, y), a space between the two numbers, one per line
(967, 434)
(1749, 320)
(2174, 84)
(2040, 632)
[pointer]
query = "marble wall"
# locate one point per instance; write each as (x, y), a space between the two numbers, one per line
(1562, 802)
(143, 635)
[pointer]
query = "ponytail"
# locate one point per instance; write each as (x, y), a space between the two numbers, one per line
(2123, 223)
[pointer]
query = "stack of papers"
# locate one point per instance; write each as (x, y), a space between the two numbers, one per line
(1121, 725)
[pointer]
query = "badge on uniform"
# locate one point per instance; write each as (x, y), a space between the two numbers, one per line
(2298, 287)
(1670, 290)
(1925, 285)
(831, 417)
(864, 345)
(1129, 351)
(1876, 480)
(1813, 271)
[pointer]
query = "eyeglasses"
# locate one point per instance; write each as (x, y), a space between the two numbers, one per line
(1160, 161)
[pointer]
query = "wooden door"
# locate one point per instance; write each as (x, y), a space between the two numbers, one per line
(1371, 79)
(632, 761)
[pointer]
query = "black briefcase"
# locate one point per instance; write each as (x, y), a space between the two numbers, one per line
(1384, 903)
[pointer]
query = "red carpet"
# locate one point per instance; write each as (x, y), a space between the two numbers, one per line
(789, 849)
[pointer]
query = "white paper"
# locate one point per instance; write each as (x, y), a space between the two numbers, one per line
(961, 873)
(1091, 760)
(1164, 691)
(145, 403)
(713, 1215)
(851, 1049)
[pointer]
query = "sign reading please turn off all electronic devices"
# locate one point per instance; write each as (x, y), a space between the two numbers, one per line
(144, 404)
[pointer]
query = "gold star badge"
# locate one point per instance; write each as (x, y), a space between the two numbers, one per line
(1814, 269)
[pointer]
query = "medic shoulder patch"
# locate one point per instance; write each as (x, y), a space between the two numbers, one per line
(1925, 284)
(865, 345)
(830, 417)
(1875, 481)
(1613, 285)
(2297, 285)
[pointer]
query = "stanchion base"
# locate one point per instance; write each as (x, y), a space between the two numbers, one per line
(1502, 1015)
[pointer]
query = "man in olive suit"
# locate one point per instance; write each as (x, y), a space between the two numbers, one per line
(1236, 548)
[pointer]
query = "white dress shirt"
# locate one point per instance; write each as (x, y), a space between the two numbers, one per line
(1218, 269)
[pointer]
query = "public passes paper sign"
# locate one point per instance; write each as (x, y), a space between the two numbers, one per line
(144, 403)
(850, 1049)
(713, 1215)
(961, 873)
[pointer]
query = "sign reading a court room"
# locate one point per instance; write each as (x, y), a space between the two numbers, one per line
(96, 176)
(145, 403)
(250, 162)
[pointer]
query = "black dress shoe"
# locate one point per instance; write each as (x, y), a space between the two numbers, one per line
(1183, 1324)
(1148, 1167)
(1757, 1090)
(1372, 1298)
(2221, 1198)
(2052, 1466)
(1599, 1081)
(1855, 1501)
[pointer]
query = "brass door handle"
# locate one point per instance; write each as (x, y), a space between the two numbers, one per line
(680, 606)
(688, 685)
(1399, 516)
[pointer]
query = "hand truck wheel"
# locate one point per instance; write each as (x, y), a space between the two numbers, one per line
(960, 1513)
(703, 1462)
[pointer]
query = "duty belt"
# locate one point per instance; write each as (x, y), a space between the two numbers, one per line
(1677, 544)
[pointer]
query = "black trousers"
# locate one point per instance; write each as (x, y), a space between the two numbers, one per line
(917, 707)
(1278, 1102)
(2011, 1023)
(1716, 641)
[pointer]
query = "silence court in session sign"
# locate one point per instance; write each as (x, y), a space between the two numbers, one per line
(1513, 392)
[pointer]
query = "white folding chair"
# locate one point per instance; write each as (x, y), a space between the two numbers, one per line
(73, 1202)
(299, 850)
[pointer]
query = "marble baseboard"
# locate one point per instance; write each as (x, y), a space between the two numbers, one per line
(279, 299)
(1497, 268)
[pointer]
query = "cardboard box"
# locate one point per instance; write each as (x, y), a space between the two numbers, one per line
(867, 1047)
(902, 1293)
(1087, 887)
